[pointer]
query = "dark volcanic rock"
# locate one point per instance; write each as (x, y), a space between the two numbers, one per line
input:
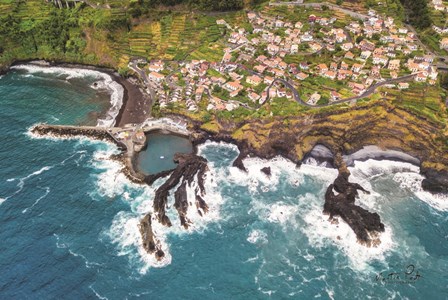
(348, 130)
(365, 224)
(267, 171)
(239, 163)
(435, 181)
(149, 243)
(181, 204)
(200, 204)
(149, 179)
(190, 166)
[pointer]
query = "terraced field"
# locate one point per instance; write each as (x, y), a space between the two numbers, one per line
(140, 41)
(170, 36)
(177, 36)
(421, 99)
(6, 6)
(35, 9)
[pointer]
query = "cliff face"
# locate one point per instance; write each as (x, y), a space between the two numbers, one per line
(343, 131)
(3, 69)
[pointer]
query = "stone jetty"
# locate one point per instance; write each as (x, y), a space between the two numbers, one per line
(131, 139)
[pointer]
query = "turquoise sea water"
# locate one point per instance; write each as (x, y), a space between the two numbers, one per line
(69, 220)
(159, 153)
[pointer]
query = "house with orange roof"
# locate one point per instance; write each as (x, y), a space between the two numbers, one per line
(232, 86)
(357, 68)
(157, 77)
(349, 55)
(322, 68)
(302, 76)
(444, 43)
(330, 74)
(335, 96)
(394, 64)
(254, 80)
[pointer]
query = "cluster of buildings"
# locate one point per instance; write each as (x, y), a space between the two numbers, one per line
(366, 51)
(197, 80)
(186, 86)
(254, 66)
(439, 5)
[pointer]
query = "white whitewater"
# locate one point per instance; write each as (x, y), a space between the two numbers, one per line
(105, 81)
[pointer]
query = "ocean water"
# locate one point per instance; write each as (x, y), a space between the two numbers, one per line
(159, 153)
(69, 220)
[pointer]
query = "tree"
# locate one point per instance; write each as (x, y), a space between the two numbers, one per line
(444, 81)
(124, 72)
(417, 13)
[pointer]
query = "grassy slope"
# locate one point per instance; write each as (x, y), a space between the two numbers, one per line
(161, 34)
(181, 35)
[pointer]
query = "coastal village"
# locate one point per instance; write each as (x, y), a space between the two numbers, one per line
(321, 59)
(440, 6)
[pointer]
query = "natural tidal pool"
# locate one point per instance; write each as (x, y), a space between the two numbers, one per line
(159, 153)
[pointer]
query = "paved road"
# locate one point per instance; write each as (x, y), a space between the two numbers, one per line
(133, 65)
(372, 88)
(440, 65)
(296, 94)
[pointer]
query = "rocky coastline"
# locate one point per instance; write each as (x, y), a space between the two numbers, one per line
(366, 225)
(355, 133)
(409, 140)
(334, 138)
(135, 101)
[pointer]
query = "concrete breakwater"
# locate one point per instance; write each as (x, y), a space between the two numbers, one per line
(131, 140)
(128, 140)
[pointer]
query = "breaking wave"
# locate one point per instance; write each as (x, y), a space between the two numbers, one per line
(124, 230)
(105, 81)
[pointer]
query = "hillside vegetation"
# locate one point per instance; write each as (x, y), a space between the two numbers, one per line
(114, 31)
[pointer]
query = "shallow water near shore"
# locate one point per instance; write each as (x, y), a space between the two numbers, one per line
(69, 220)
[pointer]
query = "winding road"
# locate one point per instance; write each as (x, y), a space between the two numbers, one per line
(296, 95)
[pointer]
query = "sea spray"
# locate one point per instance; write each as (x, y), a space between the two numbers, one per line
(124, 231)
(406, 174)
(114, 88)
(319, 230)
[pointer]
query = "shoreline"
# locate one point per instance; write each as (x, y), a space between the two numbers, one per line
(133, 98)
(324, 155)
(366, 225)
(132, 111)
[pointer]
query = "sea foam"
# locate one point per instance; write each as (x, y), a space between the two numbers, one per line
(406, 174)
(21, 181)
(124, 231)
(322, 233)
(47, 191)
(319, 230)
(114, 88)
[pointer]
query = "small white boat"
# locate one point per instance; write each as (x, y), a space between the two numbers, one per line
(162, 157)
